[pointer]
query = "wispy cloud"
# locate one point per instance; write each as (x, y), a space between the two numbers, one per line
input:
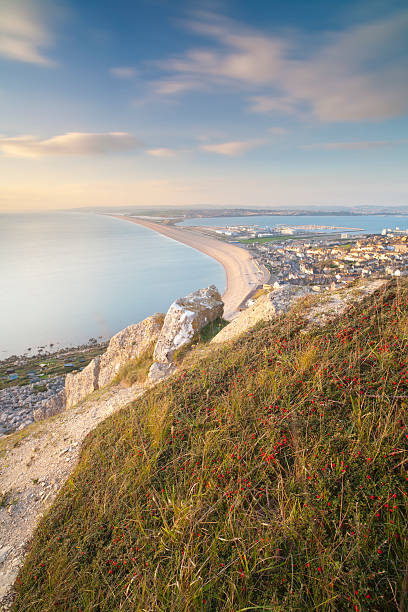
(124, 72)
(271, 104)
(278, 131)
(162, 152)
(233, 148)
(72, 143)
(171, 87)
(358, 144)
(355, 74)
(25, 30)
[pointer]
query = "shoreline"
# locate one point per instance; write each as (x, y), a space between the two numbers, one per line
(243, 274)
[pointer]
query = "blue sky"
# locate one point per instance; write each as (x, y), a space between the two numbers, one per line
(235, 103)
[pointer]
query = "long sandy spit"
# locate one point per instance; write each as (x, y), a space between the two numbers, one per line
(243, 273)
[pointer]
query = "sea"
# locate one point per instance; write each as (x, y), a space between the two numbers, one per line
(69, 277)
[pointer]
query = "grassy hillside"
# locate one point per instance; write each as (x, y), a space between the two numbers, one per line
(272, 475)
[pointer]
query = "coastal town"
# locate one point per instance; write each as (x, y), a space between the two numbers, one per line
(300, 256)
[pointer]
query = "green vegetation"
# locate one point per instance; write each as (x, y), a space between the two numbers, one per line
(137, 369)
(284, 238)
(40, 388)
(270, 475)
(270, 239)
(5, 499)
(46, 365)
(200, 339)
(211, 329)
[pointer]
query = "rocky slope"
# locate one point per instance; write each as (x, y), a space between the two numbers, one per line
(37, 460)
(20, 406)
(269, 473)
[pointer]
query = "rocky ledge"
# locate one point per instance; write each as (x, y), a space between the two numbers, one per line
(20, 406)
(161, 336)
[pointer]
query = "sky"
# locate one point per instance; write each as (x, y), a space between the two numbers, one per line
(203, 103)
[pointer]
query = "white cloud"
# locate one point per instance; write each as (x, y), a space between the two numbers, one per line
(25, 30)
(173, 87)
(123, 72)
(72, 143)
(163, 152)
(233, 148)
(278, 131)
(270, 104)
(359, 144)
(245, 55)
(355, 74)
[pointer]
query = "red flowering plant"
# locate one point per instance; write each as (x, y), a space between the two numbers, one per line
(271, 475)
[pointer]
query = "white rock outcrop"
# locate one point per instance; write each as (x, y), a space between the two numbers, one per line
(128, 344)
(159, 371)
(333, 305)
(80, 385)
(54, 405)
(266, 308)
(185, 317)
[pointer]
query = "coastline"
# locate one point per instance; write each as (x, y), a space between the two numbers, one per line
(243, 273)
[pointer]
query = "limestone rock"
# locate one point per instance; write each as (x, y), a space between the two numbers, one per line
(184, 318)
(336, 303)
(81, 384)
(128, 344)
(160, 371)
(266, 308)
(54, 405)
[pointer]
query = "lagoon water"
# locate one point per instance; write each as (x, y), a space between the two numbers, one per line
(367, 223)
(67, 277)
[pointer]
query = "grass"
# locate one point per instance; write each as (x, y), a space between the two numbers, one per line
(285, 238)
(40, 388)
(137, 369)
(280, 238)
(270, 475)
(5, 499)
(210, 330)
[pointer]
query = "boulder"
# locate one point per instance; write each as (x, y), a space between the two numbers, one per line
(160, 371)
(128, 344)
(266, 308)
(185, 317)
(81, 384)
(54, 405)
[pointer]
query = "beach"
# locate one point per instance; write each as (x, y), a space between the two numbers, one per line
(243, 274)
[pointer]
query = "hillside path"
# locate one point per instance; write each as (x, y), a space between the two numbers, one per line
(34, 464)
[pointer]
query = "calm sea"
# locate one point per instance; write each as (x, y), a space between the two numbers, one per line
(67, 277)
(371, 224)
